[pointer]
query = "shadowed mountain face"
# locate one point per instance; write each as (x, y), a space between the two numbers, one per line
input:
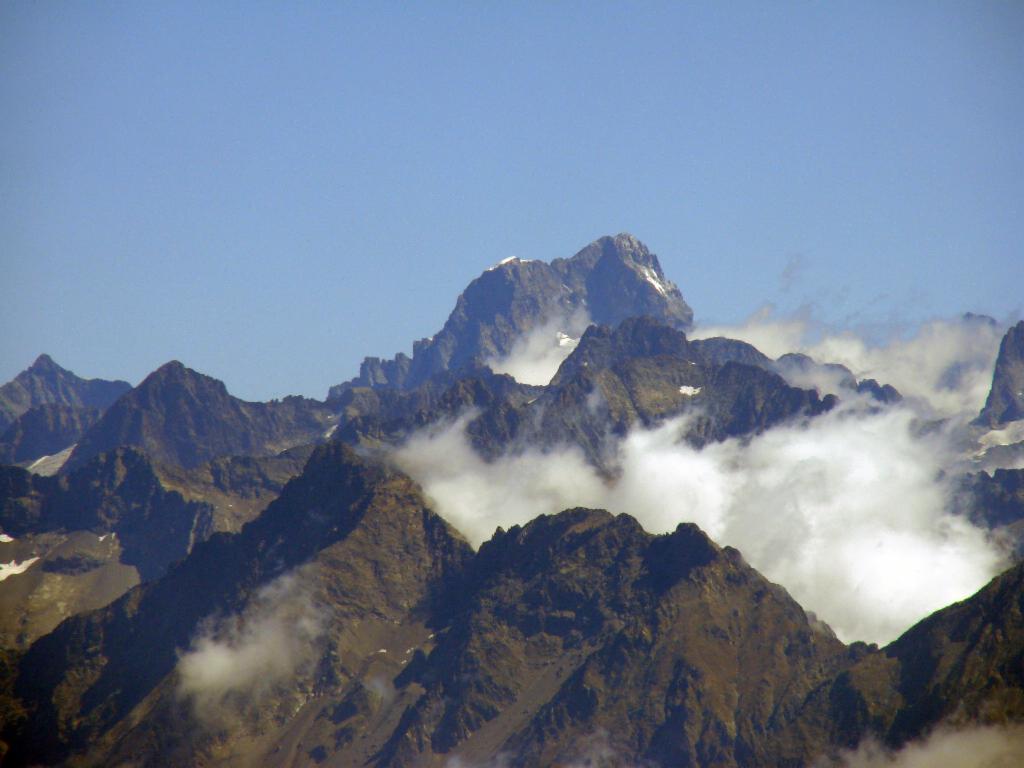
(178, 416)
(44, 430)
(1005, 401)
(45, 382)
(408, 650)
(639, 373)
(995, 501)
(611, 279)
(117, 492)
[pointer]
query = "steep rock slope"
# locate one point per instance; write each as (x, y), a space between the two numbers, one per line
(389, 416)
(179, 416)
(45, 430)
(117, 492)
(1005, 402)
(611, 279)
(46, 382)
(577, 636)
(582, 623)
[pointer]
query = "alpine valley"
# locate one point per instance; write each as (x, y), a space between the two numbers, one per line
(573, 528)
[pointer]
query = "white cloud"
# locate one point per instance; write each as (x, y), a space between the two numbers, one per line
(946, 365)
(476, 496)
(848, 511)
(535, 357)
(984, 747)
(239, 660)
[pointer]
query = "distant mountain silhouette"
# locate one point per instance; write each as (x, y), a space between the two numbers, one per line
(45, 382)
(179, 416)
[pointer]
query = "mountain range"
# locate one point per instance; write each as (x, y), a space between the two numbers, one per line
(187, 578)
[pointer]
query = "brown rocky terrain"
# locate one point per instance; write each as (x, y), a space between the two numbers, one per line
(575, 631)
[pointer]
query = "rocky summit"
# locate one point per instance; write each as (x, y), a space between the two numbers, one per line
(45, 382)
(180, 416)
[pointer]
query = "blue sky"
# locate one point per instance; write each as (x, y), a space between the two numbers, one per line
(269, 192)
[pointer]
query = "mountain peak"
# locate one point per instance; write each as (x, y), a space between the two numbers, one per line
(183, 417)
(626, 244)
(613, 278)
(46, 383)
(175, 369)
(44, 363)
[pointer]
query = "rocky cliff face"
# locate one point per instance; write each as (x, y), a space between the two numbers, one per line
(1005, 401)
(582, 624)
(196, 596)
(179, 416)
(611, 279)
(45, 382)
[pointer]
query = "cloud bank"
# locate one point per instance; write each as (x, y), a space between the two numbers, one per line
(987, 747)
(945, 365)
(535, 356)
(239, 660)
(849, 511)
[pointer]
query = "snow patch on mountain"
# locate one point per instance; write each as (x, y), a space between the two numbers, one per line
(652, 277)
(1011, 434)
(14, 567)
(51, 465)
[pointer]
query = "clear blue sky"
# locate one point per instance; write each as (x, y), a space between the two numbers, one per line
(269, 192)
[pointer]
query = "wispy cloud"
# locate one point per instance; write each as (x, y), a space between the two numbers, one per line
(943, 365)
(535, 357)
(984, 747)
(237, 661)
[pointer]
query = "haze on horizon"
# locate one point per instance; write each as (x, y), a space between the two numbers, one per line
(269, 194)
